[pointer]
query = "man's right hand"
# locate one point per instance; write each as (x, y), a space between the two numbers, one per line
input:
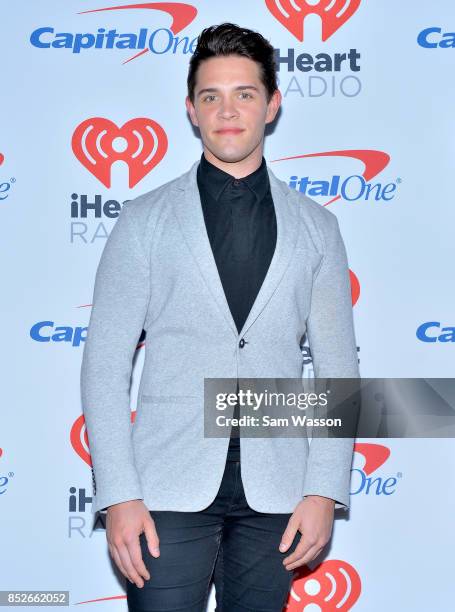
(124, 523)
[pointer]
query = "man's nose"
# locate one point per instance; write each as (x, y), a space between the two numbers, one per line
(228, 109)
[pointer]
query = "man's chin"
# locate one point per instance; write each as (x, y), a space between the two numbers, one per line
(230, 156)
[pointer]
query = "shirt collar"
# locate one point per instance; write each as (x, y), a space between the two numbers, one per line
(215, 180)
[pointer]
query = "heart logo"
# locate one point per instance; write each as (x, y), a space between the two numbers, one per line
(292, 13)
(79, 438)
(333, 586)
(141, 143)
(355, 287)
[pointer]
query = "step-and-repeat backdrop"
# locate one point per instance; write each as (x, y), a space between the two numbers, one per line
(366, 129)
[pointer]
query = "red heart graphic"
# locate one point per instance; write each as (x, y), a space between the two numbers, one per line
(79, 438)
(333, 586)
(292, 13)
(146, 145)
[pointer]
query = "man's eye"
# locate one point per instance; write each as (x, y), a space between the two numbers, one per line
(209, 96)
(245, 93)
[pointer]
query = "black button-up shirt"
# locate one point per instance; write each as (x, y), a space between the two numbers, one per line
(241, 225)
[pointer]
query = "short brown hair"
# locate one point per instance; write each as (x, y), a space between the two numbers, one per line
(231, 39)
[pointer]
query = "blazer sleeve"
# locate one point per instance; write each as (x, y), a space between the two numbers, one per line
(119, 306)
(331, 338)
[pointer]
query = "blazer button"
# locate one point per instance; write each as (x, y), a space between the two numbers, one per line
(242, 343)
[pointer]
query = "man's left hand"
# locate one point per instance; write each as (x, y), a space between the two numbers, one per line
(313, 517)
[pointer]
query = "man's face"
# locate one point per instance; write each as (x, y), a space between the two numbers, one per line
(230, 107)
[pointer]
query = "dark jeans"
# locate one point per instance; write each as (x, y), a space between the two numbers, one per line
(249, 574)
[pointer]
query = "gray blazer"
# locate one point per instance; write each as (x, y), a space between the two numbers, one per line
(157, 272)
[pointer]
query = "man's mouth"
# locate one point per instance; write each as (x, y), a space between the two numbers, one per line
(229, 131)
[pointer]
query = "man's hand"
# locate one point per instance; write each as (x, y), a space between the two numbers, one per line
(124, 523)
(313, 517)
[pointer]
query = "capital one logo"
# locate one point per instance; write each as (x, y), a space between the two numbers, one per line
(5, 479)
(292, 13)
(351, 188)
(5, 186)
(366, 480)
(158, 41)
(333, 586)
(98, 143)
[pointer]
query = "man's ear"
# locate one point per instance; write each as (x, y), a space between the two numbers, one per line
(273, 106)
(191, 111)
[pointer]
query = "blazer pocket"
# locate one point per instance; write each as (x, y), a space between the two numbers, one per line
(166, 399)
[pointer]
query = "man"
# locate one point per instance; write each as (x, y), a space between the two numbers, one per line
(227, 269)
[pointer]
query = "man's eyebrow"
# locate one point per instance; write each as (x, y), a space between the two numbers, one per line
(214, 89)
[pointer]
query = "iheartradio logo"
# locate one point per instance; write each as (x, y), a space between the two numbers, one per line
(355, 287)
(79, 438)
(333, 586)
(141, 143)
(333, 13)
(2, 157)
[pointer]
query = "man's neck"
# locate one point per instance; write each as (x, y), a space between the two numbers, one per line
(237, 169)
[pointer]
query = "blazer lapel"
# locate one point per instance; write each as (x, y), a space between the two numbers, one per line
(188, 210)
(287, 221)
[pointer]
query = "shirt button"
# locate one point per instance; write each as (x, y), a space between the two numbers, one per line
(242, 343)
(236, 183)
